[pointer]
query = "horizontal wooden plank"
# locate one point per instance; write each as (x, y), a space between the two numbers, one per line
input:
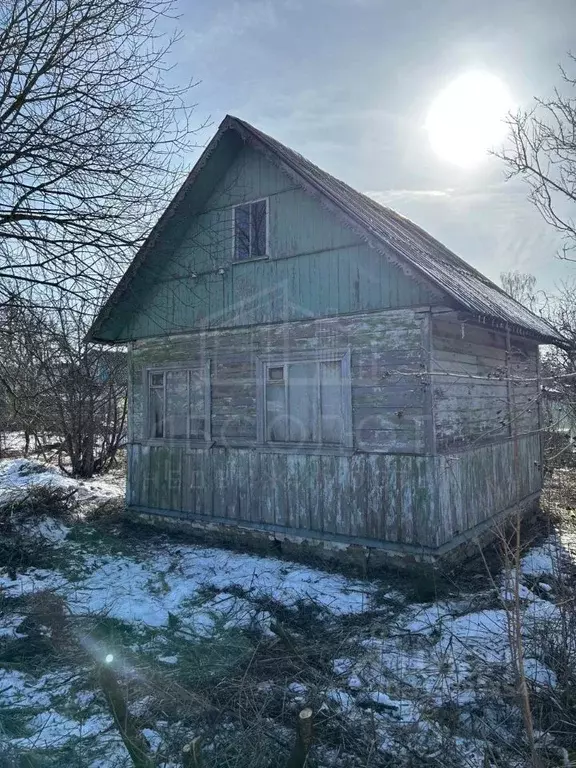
(384, 357)
(470, 409)
(483, 351)
(387, 397)
(367, 417)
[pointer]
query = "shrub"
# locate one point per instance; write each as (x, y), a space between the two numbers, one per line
(24, 544)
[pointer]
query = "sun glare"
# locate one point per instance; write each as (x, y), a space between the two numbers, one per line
(467, 118)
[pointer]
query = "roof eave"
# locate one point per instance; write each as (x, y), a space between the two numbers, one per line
(521, 330)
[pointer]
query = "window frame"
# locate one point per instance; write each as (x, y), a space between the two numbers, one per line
(265, 362)
(202, 367)
(267, 219)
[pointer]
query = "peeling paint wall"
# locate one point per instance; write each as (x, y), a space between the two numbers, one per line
(388, 489)
(387, 366)
(369, 499)
(484, 385)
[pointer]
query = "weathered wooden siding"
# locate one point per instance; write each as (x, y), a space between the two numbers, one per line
(411, 500)
(476, 484)
(484, 385)
(524, 386)
(317, 266)
(367, 496)
(387, 362)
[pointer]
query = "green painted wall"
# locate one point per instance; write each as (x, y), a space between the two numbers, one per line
(317, 266)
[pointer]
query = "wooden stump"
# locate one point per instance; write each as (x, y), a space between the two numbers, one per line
(303, 742)
(191, 754)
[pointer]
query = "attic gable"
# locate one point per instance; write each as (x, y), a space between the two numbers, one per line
(317, 265)
(424, 261)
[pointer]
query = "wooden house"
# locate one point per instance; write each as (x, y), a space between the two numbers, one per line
(309, 366)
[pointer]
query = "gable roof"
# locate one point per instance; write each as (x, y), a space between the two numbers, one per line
(413, 249)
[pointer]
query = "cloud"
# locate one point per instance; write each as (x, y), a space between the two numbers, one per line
(493, 227)
(391, 195)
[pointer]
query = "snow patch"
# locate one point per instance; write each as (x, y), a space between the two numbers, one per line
(20, 690)
(52, 730)
(47, 528)
(298, 689)
(541, 560)
(18, 477)
(354, 683)
(153, 738)
(539, 674)
(342, 666)
(9, 625)
(343, 700)
(128, 590)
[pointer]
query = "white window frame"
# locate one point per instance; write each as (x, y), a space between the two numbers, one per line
(265, 362)
(204, 369)
(251, 258)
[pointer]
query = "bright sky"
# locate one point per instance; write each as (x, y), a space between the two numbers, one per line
(355, 85)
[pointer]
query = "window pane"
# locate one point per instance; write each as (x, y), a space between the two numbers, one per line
(259, 228)
(331, 402)
(157, 379)
(276, 411)
(176, 404)
(242, 232)
(303, 403)
(156, 412)
(276, 374)
(197, 427)
(197, 405)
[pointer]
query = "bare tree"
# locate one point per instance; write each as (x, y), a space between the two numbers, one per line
(87, 386)
(65, 394)
(93, 135)
(521, 286)
(559, 368)
(21, 377)
(543, 153)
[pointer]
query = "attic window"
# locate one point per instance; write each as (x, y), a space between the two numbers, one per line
(178, 404)
(251, 230)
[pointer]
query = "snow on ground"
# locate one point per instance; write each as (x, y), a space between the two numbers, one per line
(132, 590)
(391, 673)
(12, 442)
(541, 560)
(19, 476)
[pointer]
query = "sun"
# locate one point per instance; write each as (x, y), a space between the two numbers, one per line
(467, 118)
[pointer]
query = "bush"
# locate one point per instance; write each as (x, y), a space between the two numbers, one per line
(41, 501)
(110, 511)
(23, 543)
